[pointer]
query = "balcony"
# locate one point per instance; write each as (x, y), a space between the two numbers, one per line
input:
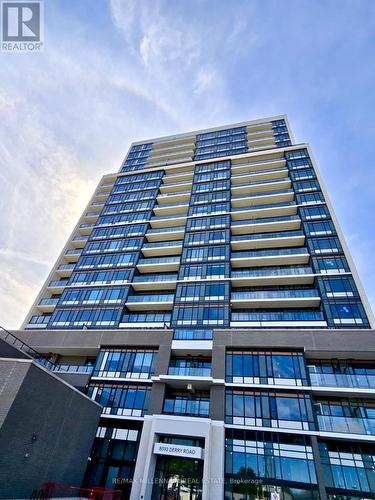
(188, 143)
(183, 176)
(47, 305)
(38, 322)
(191, 407)
(248, 201)
(150, 302)
(57, 286)
(91, 216)
(265, 131)
(273, 276)
(73, 254)
(254, 145)
(162, 248)
(258, 127)
(97, 205)
(273, 174)
(261, 185)
(106, 186)
(268, 240)
(79, 241)
(65, 270)
(267, 224)
(189, 371)
(275, 298)
(101, 196)
(346, 425)
(158, 264)
(171, 158)
(85, 229)
(171, 209)
(279, 319)
(256, 166)
(66, 368)
(171, 153)
(279, 256)
(166, 233)
(175, 197)
(265, 210)
(176, 187)
(154, 282)
(167, 221)
(179, 377)
(187, 342)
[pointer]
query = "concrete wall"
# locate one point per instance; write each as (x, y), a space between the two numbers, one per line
(47, 432)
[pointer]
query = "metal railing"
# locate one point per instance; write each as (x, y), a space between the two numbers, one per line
(11, 339)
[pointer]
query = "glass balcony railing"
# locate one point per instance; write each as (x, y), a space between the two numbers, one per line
(265, 220)
(262, 181)
(80, 238)
(274, 294)
(266, 205)
(193, 335)
(256, 172)
(73, 368)
(173, 193)
(171, 205)
(151, 298)
(48, 302)
(160, 244)
(263, 236)
(159, 260)
(350, 380)
(272, 271)
(58, 283)
(175, 229)
(189, 371)
(270, 252)
(88, 224)
(65, 267)
(172, 216)
(277, 316)
(154, 278)
(263, 193)
(260, 162)
(38, 319)
(188, 407)
(74, 251)
(180, 183)
(350, 425)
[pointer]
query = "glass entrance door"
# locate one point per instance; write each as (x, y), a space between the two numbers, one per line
(177, 479)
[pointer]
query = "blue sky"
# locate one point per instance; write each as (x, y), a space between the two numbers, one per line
(123, 70)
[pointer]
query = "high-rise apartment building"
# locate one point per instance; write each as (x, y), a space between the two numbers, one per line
(208, 301)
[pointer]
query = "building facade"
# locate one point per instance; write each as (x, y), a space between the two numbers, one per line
(208, 301)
